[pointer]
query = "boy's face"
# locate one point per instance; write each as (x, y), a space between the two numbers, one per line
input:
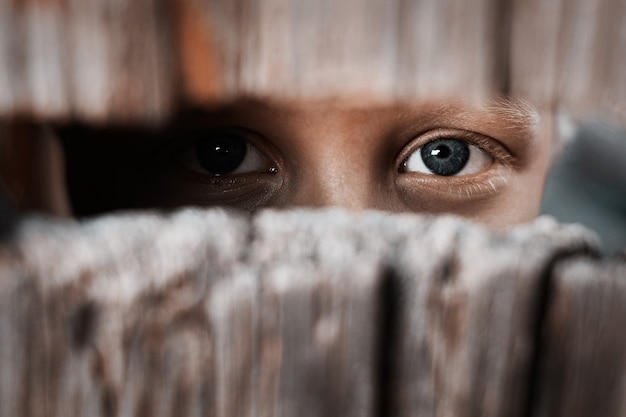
(485, 162)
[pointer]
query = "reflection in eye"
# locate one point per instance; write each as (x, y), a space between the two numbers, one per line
(226, 153)
(447, 157)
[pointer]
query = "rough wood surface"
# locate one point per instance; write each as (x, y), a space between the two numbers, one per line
(466, 323)
(286, 313)
(212, 327)
(141, 60)
(582, 368)
(100, 60)
(571, 56)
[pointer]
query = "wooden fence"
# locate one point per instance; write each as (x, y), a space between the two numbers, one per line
(141, 60)
(208, 313)
(305, 313)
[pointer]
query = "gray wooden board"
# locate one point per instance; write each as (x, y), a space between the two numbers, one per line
(466, 316)
(140, 61)
(309, 313)
(88, 330)
(97, 60)
(321, 298)
(106, 318)
(583, 363)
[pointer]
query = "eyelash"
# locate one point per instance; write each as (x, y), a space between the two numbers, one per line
(491, 146)
(487, 181)
(187, 150)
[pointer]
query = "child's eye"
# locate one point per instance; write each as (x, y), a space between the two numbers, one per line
(226, 153)
(447, 157)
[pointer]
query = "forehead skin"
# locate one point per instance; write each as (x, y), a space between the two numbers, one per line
(349, 154)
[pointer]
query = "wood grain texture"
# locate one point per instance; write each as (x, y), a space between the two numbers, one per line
(571, 56)
(582, 368)
(321, 317)
(96, 60)
(199, 332)
(121, 61)
(468, 311)
(89, 328)
(371, 49)
(307, 313)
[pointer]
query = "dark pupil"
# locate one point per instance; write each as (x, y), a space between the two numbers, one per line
(222, 154)
(445, 156)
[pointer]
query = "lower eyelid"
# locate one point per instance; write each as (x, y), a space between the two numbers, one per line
(457, 188)
(246, 191)
(256, 160)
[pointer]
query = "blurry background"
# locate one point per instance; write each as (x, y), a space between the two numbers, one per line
(588, 184)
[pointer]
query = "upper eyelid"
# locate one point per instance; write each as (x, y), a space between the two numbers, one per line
(494, 147)
(258, 140)
(180, 141)
(264, 144)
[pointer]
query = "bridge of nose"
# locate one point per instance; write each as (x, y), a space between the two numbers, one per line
(338, 156)
(340, 168)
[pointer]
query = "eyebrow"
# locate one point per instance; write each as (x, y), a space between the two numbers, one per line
(511, 117)
(521, 114)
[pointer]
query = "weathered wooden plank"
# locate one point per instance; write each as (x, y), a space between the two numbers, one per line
(121, 61)
(98, 60)
(107, 318)
(11, 60)
(582, 367)
(140, 315)
(295, 331)
(571, 56)
(593, 44)
(294, 312)
(467, 318)
(371, 49)
(534, 50)
(321, 316)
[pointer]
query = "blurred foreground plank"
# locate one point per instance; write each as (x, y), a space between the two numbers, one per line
(302, 313)
(467, 320)
(583, 363)
(142, 61)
